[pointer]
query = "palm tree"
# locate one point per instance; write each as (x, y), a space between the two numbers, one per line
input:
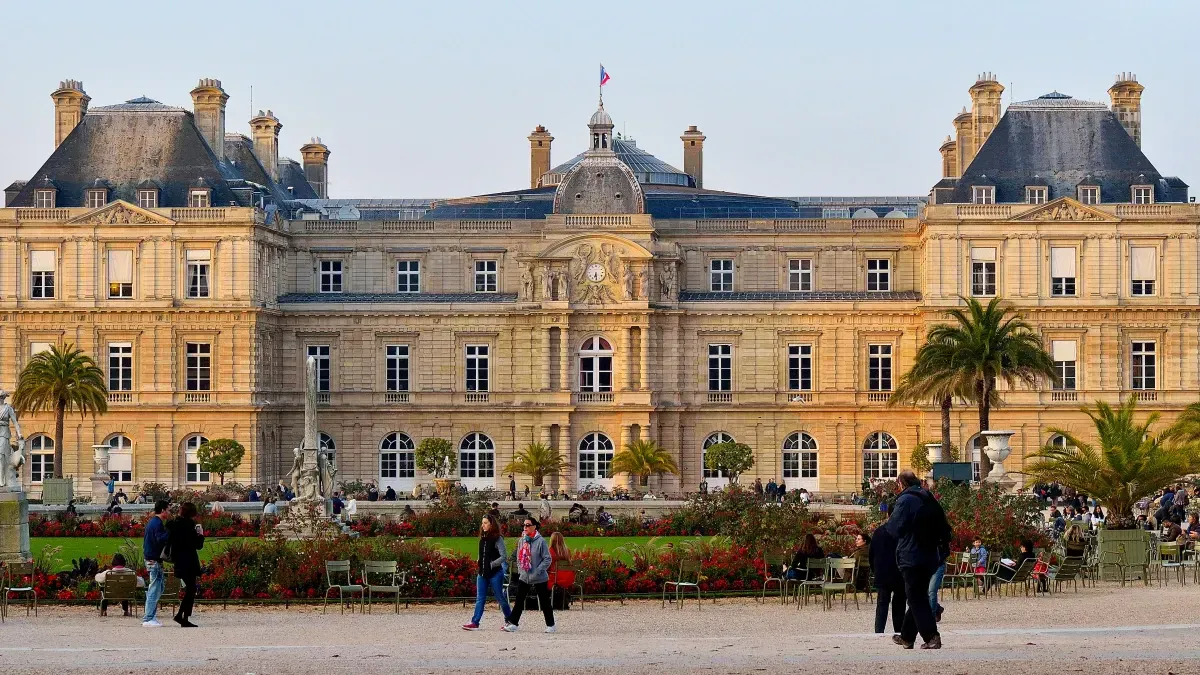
(537, 460)
(1126, 464)
(989, 344)
(933, 378)
(61, 380)
(641, 458)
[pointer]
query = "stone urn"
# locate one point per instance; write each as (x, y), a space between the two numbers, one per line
(934, 452)
(444, 486)
(997, 451)
(100, 478)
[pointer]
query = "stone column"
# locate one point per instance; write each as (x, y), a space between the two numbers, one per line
(545, 361)
(644, 357)
(622, 362)
(564, 359)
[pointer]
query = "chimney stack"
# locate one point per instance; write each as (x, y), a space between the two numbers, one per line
(963, 137)
(693, 154)
(70, 105)
(316, 166)
(539, 154)
(264, 128)
(985, 109)
(1126, 95)
(208, 108)
(949, 152)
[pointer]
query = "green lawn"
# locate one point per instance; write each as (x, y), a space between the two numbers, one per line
(90, 547)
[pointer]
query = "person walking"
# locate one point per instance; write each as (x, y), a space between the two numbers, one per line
(533, 566)
(154, 539)
(490, 577)
(887, 579)
(186, 539)
(919, 525)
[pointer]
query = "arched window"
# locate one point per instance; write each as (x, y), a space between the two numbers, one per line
(193, 474)
(327, 444)
(1058, 441)
(476, 457)
(595, 457)
(396, 459)
(709, 475)
(977, 445)
(880, 456)
(595, 365)
(120, 458)
(799, 456)
(41, 457)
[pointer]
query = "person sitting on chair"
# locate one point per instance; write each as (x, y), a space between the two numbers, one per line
(118, 567)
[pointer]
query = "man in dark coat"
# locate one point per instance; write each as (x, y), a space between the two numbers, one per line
(919, 525)
(882, 555)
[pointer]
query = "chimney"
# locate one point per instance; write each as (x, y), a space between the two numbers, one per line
(208, 107)
(949, 152)
(264, 128)
(316, 166)
(539, 154)
(963, 137)
(70, 105)
(985, 108)
(1126, 95)
(693, 154)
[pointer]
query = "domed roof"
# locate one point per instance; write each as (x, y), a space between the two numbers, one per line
(600, 117)
(1057, 101)
(139, 104)
(647, 168)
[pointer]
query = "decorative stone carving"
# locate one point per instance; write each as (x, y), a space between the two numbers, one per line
(526, 284)
(630, 289)
(642, 289)
(595, 273)
(666, 282)
(120, 214)
(542, 282)
(1066, 209)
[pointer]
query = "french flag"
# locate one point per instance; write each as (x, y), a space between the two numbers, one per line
(603, 76)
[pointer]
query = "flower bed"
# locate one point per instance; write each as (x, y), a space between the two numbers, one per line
(109, 525)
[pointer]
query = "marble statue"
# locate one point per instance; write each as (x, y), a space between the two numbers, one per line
(666, 282)
(526, 285)
(327, 470)
(297, 470)
(629, 288)
(641, 283)
(11, 457)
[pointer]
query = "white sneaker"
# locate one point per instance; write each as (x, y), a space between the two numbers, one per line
(510, 628)
(152, 623)
(551, 629)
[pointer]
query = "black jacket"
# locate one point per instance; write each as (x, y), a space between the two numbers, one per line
(184, 543)
(883, 560)
(919, 525)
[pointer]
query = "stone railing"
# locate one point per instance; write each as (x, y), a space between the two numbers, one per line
(43, 214)
(485, 225)
(594, 397)
(1171, 211)
(197, 214)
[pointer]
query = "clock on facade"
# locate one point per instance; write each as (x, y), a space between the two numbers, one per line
(595, 272)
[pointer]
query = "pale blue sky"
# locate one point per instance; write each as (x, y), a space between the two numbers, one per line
(435, 99)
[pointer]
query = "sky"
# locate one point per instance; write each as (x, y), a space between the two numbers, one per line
(436, 99)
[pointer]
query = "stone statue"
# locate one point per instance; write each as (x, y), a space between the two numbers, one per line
(526, 285)
(545, 277)
(629, 289)
(297, 470)
(641, 283)
(101, 458)
(560, 283)
(11, 457)
(666, 281)
(327, 468)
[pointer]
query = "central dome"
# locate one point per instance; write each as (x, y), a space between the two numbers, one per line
(648, 169)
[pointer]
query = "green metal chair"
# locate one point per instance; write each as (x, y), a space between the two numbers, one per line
(840, 580)
(1170, 558)
(689, 577)
(1022, 576)
(119, 587)
(775, 568)
(18, 578)
(1068, 571)
(382, 577)
(816, 573)
(334, 571)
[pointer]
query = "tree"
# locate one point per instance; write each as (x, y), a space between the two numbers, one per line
(537, 460)
(933, 378)
(436, 456)
(731, 458)
(988, 344)
(641, 458)
(1126, 464)
(61, 380)
(220, 456)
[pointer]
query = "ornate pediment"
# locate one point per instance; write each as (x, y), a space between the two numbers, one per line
(1067, 210)
(120, 213)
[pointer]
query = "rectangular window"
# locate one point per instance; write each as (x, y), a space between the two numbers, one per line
(1143, 194)
(879, 274)
(879, 367)
(148, 199)
(983, 271)
(720, 276)
(321, 354)
(331, 276)
(36, 348)
(720, 367)
(477, 368)
(983, 194)
(1089, 194)
(408, 276)
(1062, 271)
(97, 198)
(42, 264)
(1144, 272)
(800, 275)
(397, 367)
(800, 367)
(43, 199)
(1143, 365)
(486, 277)
(120, 274)
(880, 464)
(198, 199)
(41, 466)
(1065, 355)
(198, 265)
(1035, 195)
(198, 366)
(120, 366)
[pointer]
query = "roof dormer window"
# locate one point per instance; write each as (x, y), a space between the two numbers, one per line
(983, 194)
(199, 198)
(43, 199)
(96, 198)
(1036, 194)
(148, 198)
(1089, 194)
(1143, 194)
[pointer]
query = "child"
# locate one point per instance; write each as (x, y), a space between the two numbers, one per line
(980, 555)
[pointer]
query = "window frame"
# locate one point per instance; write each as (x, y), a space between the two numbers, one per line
(720, 367)
(147, 198)
(984, 277)
(477, 367)
(803, 445)
(196, 475)
(880, 373)
(881, 276)
(411, 271)
(1143, 288)
(114, 443)
(38, 452)
(983, 194)
(96, 198)
(1088, 194)
(403, 456)
(331, 276)
(597, 376)
(322, 354)
(199, 198)
(198, 271)
(1141, 194)
(487, 275)
(800, 275)
(1064, 287)
(122, 363)
(197, 366)
(1068, 370)
(43, 284)
(396, 376)
(1143, 365)
(477, 444)
(45, 199)
(1037, 194)
(120, 290)
(885, 468)
(594, 454)
(709, 441)
(721, 275)
(797, 354)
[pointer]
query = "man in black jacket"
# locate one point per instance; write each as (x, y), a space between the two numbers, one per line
(887, 579)
(919, 526)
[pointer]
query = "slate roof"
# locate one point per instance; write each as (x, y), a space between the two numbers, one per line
(297, 298)
(646, 167)
(786, 296)
(1062, 141)
(293, 181)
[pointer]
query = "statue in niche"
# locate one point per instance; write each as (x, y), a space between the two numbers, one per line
(641, 283)
(542, 282)
(629, 283)
(526, 284)
(560, 285)
(666, 281)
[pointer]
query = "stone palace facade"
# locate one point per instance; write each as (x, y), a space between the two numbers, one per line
(615, 298)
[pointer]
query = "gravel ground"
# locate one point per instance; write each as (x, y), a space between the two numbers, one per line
(1097, 631)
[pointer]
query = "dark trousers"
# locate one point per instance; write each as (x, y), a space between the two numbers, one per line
(896, 600)
(188, 596)
(543, 595)
(919, 617)
(124, 605)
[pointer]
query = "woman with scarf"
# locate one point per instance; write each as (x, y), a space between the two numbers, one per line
(533, 570)
(491, 570)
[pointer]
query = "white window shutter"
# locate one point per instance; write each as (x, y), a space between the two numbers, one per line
(1063, 350)
(1062, 262)
(1145, 267)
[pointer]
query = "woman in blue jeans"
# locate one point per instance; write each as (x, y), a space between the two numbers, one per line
(491, 560)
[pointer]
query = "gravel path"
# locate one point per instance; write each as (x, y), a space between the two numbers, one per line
(1097, 631)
